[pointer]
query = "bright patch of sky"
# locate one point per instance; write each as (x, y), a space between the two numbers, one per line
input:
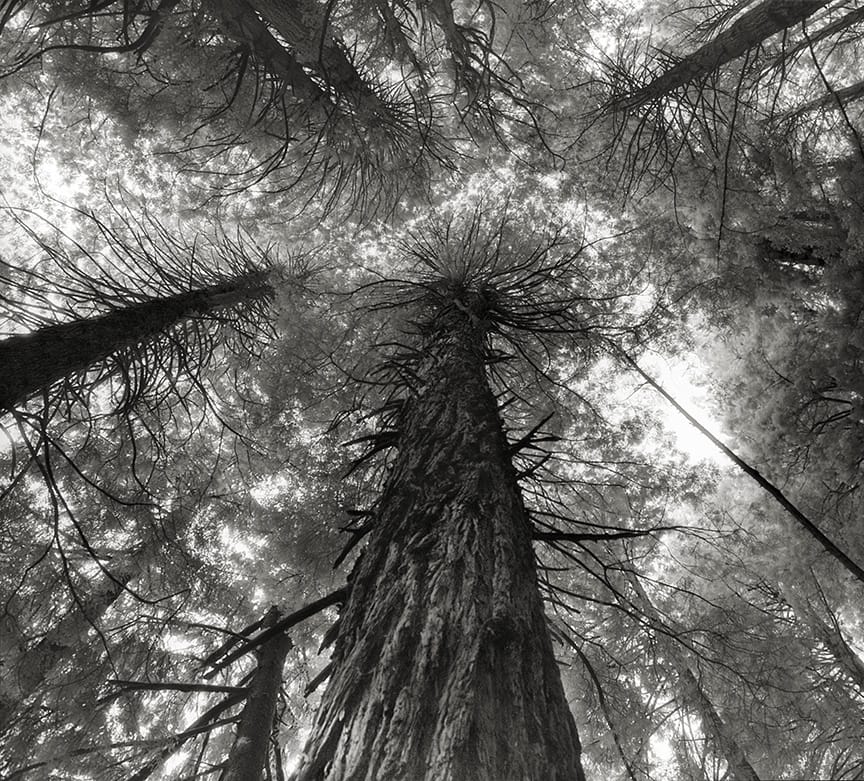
(662, 754)
(273, 490)
(605, 43)
(174, 763)
(628, 396)
(242, 547)
(677, 377)
(177, 643)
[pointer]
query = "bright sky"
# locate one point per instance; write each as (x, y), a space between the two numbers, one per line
(676, 377)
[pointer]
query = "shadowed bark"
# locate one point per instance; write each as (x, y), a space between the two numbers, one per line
(443, 667)
(34, 362)
(239, 20)
(748, 31)
(248, 755)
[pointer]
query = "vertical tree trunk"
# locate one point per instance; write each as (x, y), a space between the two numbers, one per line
(35, 361)
(443, 667)
(739, 768)
(248, 755)
(752, 28)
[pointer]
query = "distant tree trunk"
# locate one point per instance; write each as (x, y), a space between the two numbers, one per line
(305, 28)
(720, 733)
(34, 362)
(26, 671)
(833, 101)
(752, 28)
(825, 628)
(443, 667)
(248, 755)
(815, 36)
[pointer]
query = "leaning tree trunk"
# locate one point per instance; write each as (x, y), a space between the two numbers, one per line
(443, 667)
(242, 23)
(26, 671)
(750, 30)
(30, 669)
(720, 732)
(248, 755)
(34, 362)
(824, 627)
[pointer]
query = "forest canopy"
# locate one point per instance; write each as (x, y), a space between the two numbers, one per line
(431, 390)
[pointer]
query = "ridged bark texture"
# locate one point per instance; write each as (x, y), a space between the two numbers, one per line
(248, 755)
(35, 361)
(443, 669)
(751, 29)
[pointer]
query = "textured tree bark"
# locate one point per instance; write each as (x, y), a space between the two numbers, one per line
(34, 362)
(443, 668)
(241, 22)
(248, 754)
(753, 27)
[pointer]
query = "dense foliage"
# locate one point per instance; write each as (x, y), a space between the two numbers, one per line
(238, 236)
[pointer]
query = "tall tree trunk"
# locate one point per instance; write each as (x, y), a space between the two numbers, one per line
(34, 362)
(723, 737)
(721, 734)
(305, 26)
(443, 667)
(752, 28)
(248, 755)
(833, 101)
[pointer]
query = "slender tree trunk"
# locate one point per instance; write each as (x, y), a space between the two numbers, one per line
(752, 28)
(815, 36)
(833, 101)
(248, 755)
(721, 734)
(443, 667)
(719, 731)
(28, 670)
(825, 628)
(305, 25)
(35, 361)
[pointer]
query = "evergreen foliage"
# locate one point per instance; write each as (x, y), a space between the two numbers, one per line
(431, 390)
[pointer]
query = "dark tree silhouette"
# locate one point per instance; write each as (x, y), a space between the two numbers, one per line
(443, 665)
